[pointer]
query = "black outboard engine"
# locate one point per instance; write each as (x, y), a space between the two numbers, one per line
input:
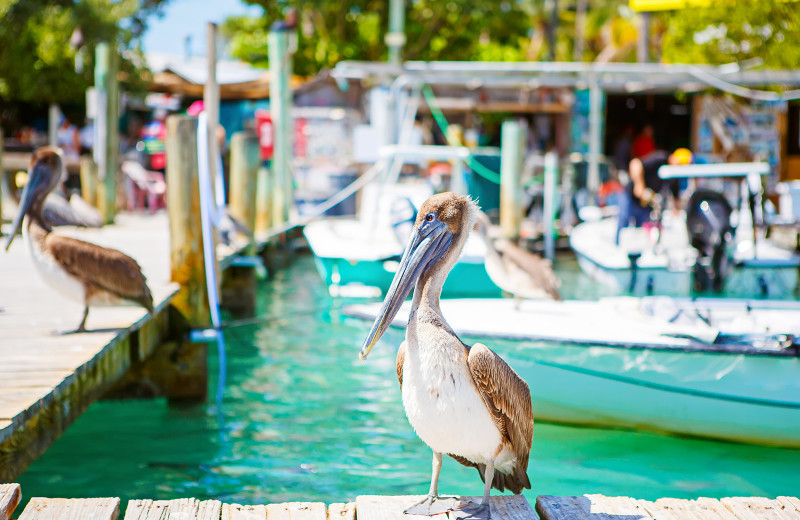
(708, 218)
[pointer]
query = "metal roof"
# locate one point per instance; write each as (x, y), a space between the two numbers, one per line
(735, 78)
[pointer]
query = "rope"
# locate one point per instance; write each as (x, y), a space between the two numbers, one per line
(321, 208)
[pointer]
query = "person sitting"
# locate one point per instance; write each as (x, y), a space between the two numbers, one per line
(640, 196)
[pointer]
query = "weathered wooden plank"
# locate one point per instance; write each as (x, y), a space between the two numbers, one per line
(178, 509)
(709, 509)
(551, 507)
(611, 508)
(504, 507)
(660, 510)
(240, 512)
(757, 508)
(342, 511)
(10, 495)
(209, 510)
(297, 511)
(71, 509)
(791, 504)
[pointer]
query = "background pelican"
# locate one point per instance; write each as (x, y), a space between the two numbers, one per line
(463, 401)
(515, 270)
(78, 270)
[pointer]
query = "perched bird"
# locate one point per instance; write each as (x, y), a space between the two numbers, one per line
(60, 211)
(462, 401)
(515, 270)
(78, 270)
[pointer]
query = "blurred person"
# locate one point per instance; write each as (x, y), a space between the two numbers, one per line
(641, 193)
(644, 144)
(86, 135)
(68, 138)
(154, 138)
(622, 148)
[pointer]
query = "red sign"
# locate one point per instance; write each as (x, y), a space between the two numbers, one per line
(266, 134)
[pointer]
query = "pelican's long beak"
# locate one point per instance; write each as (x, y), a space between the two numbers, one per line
(39, 174)
(427, 243)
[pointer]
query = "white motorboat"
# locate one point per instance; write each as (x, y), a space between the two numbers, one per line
(718, 368)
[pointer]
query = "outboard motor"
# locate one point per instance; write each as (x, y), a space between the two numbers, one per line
(708, 218)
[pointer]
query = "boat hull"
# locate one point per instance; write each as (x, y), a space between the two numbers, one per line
(655, 363)
(734, 397)
(345, 277)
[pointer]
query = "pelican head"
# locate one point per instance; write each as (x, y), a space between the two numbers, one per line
(440, 231)
(45, 173)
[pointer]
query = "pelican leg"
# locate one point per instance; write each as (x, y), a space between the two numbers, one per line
(82, 326)
(482, 511)
(431, 504)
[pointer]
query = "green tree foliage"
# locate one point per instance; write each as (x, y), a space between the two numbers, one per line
(726, 32)
(331, 31)
(37, 63)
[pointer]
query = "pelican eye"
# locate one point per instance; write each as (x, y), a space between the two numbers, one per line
(429, 217)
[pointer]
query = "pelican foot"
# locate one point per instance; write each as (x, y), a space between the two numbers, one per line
(72, 331)
(432, 505)
(472, 510)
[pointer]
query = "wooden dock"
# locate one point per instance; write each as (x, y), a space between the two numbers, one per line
(48, 379)
(504, 507)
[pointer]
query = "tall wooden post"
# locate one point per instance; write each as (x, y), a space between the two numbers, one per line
(512, 154)
(211, 102)
(2, 179)
(89, 180)
(264, 188)
(244, 178)
(53, 114)
(549, 209)
(595, 137)
(107, 129)
(280, 106)
(186, 237)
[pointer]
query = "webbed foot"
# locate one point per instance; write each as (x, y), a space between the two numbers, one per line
(432, 505)
(472, 510)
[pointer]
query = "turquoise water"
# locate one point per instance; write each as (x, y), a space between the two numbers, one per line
(303, 419)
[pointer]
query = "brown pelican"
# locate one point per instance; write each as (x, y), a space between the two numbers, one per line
(516, 270)
(463, 401)
(80, 271)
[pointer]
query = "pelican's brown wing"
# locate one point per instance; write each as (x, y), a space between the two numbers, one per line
(508, 399)
(107, 269)
(539, 270)
(401, 358)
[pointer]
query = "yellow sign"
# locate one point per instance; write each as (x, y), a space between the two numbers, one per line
(665, 5)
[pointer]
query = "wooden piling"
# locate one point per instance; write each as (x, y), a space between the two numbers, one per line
(89, 181)
(186, 237)
(280, 65)
(512, 154)
(244, 178)
(107, 85)
(2, 178)
(263, 201)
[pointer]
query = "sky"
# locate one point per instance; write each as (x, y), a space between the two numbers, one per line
(190, 17)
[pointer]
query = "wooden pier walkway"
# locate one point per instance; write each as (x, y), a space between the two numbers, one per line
(504, 507)
(48, 379)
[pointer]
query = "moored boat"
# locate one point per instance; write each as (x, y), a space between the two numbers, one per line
(726, 369)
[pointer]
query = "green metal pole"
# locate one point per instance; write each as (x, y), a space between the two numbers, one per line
(512, 138)
(280, 105)
(396, 37)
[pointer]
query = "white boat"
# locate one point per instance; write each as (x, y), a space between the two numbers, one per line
(359, 256)
(643, 264)
(719, 368)
(662, 261)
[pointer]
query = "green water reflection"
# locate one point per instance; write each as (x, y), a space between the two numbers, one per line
(303, 419)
